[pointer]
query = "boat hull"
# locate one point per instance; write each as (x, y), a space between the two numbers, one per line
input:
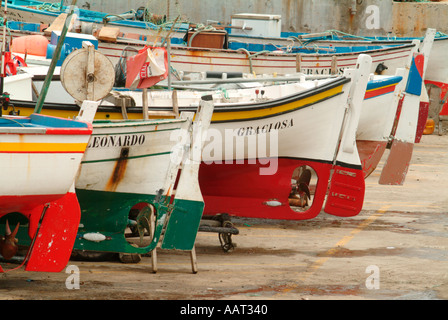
(40, 157)
(126, 169)
(243, 185)
(240, 190)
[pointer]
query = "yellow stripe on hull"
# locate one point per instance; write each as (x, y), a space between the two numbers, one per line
(14, 147)
(267, 112)
(381, 88)
(69, 114)
(226, 115)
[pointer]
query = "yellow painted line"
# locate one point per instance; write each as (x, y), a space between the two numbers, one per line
(320, 262)
(217, 116)
(61, 113)
(377, 89)
(258, 113)
(42, 147)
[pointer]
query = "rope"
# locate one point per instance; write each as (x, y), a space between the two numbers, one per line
(335, 32)
(51, 7)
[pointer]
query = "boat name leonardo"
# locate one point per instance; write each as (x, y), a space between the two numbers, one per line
(117, 141)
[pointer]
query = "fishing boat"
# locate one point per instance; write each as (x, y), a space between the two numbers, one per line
(139, 175)
(287, 115)
(240, 185)
(313, 54)
(309, 60)
(264, 150)
(437, 72)
(40, 157)
(375, 126)
(133, 182)
(436, 77)
(379, 107)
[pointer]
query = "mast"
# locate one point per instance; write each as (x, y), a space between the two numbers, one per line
(57, 53)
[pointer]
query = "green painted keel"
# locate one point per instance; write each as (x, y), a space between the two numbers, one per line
(107, 214)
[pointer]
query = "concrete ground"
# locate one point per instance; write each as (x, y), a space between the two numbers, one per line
(396, 248)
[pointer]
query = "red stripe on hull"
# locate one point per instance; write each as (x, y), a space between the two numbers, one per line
(378, 92)
(69, 131)
(239, 190)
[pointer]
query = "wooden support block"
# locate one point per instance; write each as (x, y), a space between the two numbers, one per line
(109, 34)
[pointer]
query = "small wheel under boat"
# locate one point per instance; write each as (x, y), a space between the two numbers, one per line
(130, 257)
(93, 255)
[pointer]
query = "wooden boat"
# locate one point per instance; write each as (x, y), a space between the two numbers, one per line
(142, 170)
(308, 60)
(367, 150)
(377, 118)
(130, 178)
(40, 156)
(313, 60)
(379, 107)
(239, 184)
(437, 72)
(436, 76)
(289, 115)
(328, 56)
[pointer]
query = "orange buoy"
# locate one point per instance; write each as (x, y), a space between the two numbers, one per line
(429, 128)
(35, 45)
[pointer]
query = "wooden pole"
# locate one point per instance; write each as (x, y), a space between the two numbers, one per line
(57, 53)
(145, 104)
(3, 49)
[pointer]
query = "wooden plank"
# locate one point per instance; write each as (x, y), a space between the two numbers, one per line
(59, 22)
(109, 34)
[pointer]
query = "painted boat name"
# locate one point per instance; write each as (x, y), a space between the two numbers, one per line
(248, 131)
(117, 141)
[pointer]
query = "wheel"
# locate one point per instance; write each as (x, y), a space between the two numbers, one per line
(130, 257)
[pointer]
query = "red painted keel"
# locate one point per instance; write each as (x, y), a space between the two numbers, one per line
(346, 195)
(56, 236)
(239, 189)
(397, 164)
(370, 154)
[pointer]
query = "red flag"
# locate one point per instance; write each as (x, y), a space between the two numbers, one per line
(147, 68)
